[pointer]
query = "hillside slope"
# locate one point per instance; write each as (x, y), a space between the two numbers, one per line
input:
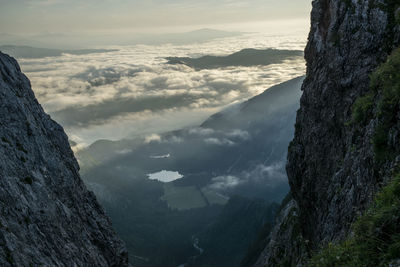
(239, 151)
(334, 164)
(47, 216)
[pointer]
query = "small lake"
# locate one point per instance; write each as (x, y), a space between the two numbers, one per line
(165, 176)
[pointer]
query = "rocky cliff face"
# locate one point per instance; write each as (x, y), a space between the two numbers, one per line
(332, 168)
(47, 216)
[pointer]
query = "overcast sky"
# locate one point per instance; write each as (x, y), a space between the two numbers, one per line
(65, 16)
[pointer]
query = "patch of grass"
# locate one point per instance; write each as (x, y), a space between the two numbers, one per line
(386, 81)
(362, 108)
(376, 239)
(385, 84)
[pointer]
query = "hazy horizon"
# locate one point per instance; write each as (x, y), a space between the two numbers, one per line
(132, 91)
(105, 16)
(175, 35)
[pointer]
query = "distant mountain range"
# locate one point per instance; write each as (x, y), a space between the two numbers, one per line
(34, 52)
(246, 57)
(239, 151)
(74, 41)
(197, 36)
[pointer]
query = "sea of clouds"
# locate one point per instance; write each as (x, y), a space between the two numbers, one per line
(133, 92)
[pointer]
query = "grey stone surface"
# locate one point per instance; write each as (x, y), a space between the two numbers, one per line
(331, 167)
(285, 240)
(47, 216)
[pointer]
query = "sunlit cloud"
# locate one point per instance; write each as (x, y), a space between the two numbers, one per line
(224, 183)
(271, 176)
(201, 131)
(133, 92)
(219, 142)
(152, 138)
(237, 133)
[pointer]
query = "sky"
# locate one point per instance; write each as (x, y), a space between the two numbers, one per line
(133, 91)
(108, 16)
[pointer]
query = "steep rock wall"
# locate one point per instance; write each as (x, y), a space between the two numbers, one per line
(331, 167)
(47, 216)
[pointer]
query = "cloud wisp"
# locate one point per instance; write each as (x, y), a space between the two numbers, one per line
(271, 176)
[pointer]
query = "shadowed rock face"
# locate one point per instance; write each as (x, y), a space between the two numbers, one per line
(47, 216)
(331, 167)
(331, 182)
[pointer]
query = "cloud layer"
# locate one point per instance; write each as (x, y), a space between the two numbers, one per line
(133, 92)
